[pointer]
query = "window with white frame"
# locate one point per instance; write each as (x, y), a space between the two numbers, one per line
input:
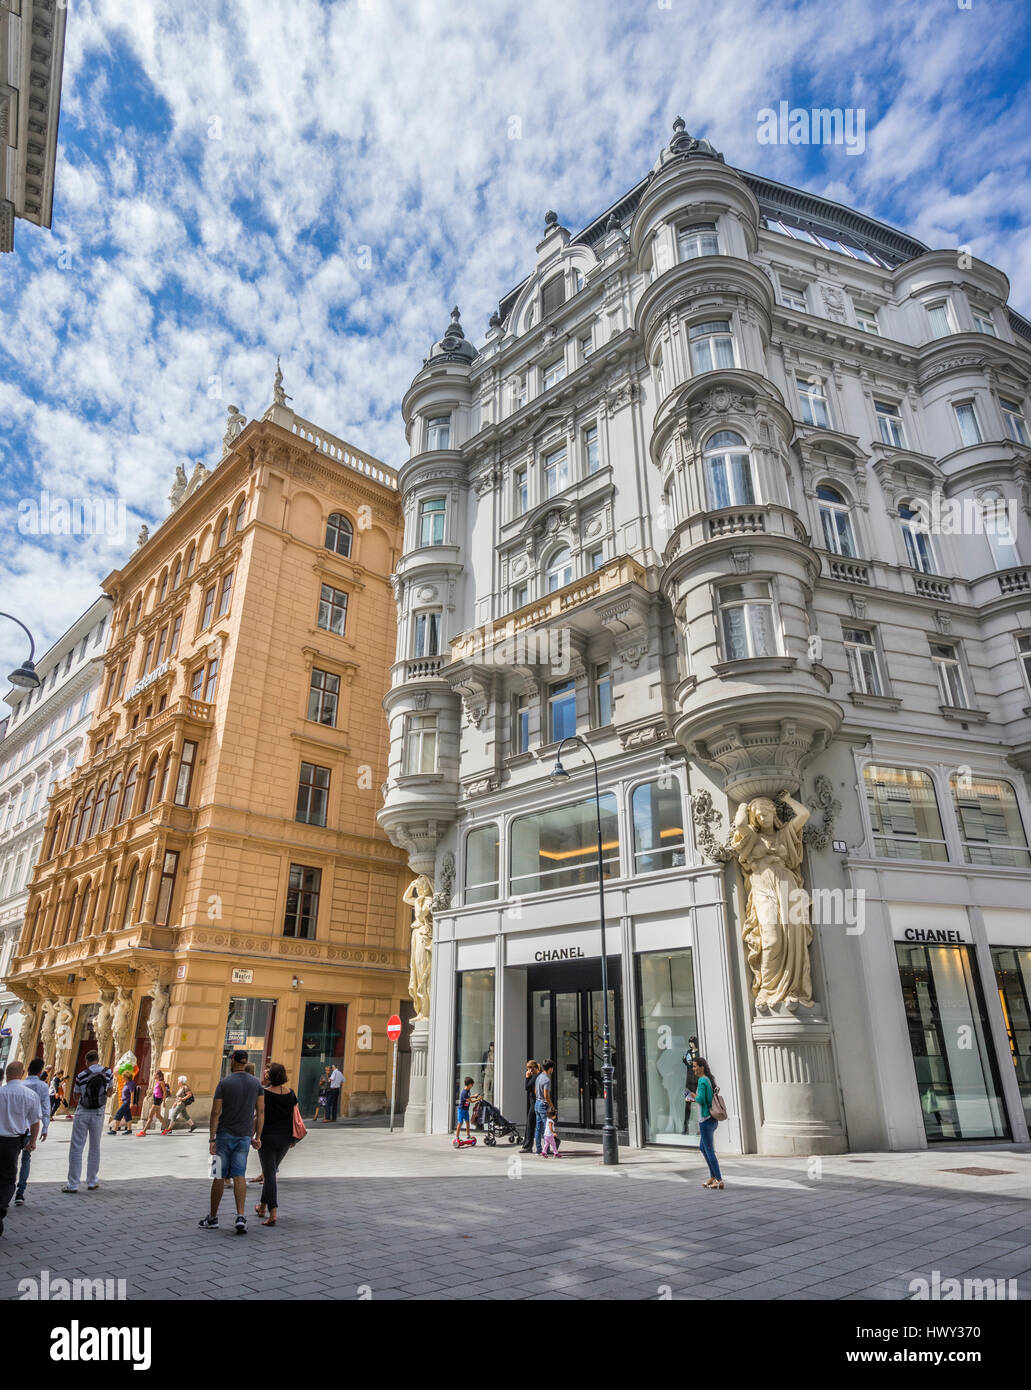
(519, 392)
(586, 345)
(989, 822)
(793, 296)
(904, 814)
(521, 724)
(813, 401)
(996, 521)
(1014, 420)
(521, 490)
(866, 319)
(603, 693)
(699, 240)
(431, 521)
(939, 314)
(1024, 655)
(729, 475)
(712, 345)
(657, 816)
(889, 422)
(919, 552)
(863, 664)
(590, 448)
(951, 686)
(578, 281)
(983, 324)
(438, 432)
(560, 570)
(482, 856)
(747, 620)
(562, 711)
(420, 744)
(427, 633)
(554, 372)
(836, 522)
(595, 559)
(967, 421)
(520, 596)
(556, 471)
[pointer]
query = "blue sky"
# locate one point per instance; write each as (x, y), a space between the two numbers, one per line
(324, 181)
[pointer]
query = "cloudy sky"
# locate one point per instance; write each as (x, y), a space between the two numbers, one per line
(324, 180)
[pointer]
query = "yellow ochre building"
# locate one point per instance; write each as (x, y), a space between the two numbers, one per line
(212, 876)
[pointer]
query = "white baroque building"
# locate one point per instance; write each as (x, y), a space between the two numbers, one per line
(44, 742)
(737, 490)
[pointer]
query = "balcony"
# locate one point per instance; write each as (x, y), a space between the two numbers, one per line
(184, 709)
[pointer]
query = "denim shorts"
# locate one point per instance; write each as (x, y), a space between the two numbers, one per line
(231, 1150)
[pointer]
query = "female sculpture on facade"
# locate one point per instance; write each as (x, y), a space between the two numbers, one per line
(419, 896)
(777, 931)
(46, 1035)
(63, 1017)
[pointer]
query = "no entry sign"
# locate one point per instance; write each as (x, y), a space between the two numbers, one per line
(393, 1028)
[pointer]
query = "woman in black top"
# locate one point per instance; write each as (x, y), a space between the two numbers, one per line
(277, 1136)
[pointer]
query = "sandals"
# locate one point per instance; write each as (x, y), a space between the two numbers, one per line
(259, 1210)
(270, 1221)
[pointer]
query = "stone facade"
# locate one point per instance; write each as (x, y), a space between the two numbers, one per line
(31, 61)
(706, 466)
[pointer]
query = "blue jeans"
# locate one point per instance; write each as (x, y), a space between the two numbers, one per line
(231, 1152)
(541, 1111)
(706, 1132)
(23, 1172)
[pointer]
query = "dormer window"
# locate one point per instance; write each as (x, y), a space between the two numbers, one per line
(699, 240)
(438, 432)
(553, 295)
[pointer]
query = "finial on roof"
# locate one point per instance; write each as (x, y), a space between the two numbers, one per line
(495, 320)
(278, 394)
(679, 124)
(684, 143)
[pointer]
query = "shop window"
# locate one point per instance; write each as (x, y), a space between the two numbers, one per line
(474, 1032)
(1013, 977)
(250, 1028)
(668, 1025)
(657, 813)
(302, 902)
(481, 864)
(956, 1073)
(904, 814)
(322, 1043)
(313, 794)
(989, 822)
(559, 848)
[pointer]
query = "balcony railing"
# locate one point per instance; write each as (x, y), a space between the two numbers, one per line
(1015, 582)
(736, 523)
(346, 454)
(849, 572)
(184, 708)
(932, 588)
(423, 668)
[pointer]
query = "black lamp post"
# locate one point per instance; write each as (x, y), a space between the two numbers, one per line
(25, 674)
(609, 1145)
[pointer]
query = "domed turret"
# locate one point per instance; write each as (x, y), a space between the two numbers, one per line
(685, 146)
(454, 346)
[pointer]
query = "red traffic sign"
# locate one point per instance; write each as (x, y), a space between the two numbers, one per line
(393, 1028)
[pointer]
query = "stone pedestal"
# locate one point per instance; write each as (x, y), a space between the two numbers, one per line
(415, 1111)
(800, 1099)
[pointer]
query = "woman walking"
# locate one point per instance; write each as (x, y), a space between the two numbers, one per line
(703, 1093)
(529, 1080)
(277, 1136)
(56, 1093)
(181, 1106)
(158, 1094)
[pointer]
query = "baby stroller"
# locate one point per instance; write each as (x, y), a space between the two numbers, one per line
(497, 1126)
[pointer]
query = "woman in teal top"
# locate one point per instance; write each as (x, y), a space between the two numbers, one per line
(702, 1095)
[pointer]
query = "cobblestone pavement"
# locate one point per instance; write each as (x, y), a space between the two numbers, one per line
(368, 1214)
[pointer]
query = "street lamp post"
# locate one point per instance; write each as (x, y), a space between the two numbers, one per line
(25, 674)
(609, 1145)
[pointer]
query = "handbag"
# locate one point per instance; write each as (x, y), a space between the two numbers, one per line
(300, 1129)
(717, 1110)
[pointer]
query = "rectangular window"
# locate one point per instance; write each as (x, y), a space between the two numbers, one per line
(949, 1035)
(521, 724)
(586, 346)
(699, 240)
(197, 683)
(520, 596)
(592, 461)
(813, 401)
(482, 856)
(1013, 977)
(711, 346)
(866, 319)
(427, 633)
(793, 297)
(889, 422)
(177, 627)
(657, 814)
(438, 432)
(184, 780)
(313, 794)
(940, 319)
(166, 888)
(985, 325)
(553, 295)
(431, 521)
(554, 372)
(556, 472)
(521, 491)
(332, 609)
(603, 693)
(904, 814)
(1024, 652)
(1013, 419)
(147, 658)
(747, 621)
(595, 560)
(302, 902)
(323, 697)
(212, 680)
(989, 822)
(559, 848)
(561, 711)
(945, 656)
(521, 393)
(966, 419)
(209, 608)
(223, 598)
(159, 655)
(420, 745)
(863, 666)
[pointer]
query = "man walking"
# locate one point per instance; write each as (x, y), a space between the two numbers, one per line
(92, 1086)
(234, 1128)
(42, 1090)
(20, 1122)
(336, 1080)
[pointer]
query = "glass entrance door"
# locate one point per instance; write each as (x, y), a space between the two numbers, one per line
(566, 1023)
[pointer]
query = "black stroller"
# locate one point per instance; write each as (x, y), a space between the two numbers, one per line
(497, 1127)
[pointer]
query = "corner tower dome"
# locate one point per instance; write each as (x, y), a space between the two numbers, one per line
(454, 346)
(685, 146)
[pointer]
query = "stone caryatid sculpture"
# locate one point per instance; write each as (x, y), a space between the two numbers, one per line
(419, 896)
(102, 1024)
(63, 1017)
(30, 1017)
(159, 993)
(46, 1035)
(121, 1013)
(778, 931)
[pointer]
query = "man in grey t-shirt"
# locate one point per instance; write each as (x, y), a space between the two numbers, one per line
(234, 1128)
(542, 1099)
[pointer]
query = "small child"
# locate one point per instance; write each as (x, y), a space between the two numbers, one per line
(464, 1097)
(550, 1135)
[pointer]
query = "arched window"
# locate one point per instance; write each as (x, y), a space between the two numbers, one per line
(712, 345)
(97, 819)
(164, 587)
(73, 907)
(148, 790)
(136, 611)
(998, 521)
(73, 824)
(836, 522)
(223, 530)
(915, 534)
(191, 557)
(241, 515)
(128, 794)
(112, 803)
(729, 477)
(54, 838)
(130, 894)
(560, 570)
(80, 920)
(87, 807)
(339, 534)
(178, 574)
(163, 787)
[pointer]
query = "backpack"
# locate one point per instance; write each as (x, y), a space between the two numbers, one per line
(94, 1092)
(717, 1110)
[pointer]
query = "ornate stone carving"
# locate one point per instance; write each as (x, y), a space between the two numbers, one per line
(442, 897)
(234, 427)
(819, 837)
(121, 1017)
(102, 1024)
(942, 621)
(279, 396)
(175, 497)
(142, 536)
(834, 303)
(159, 993)
(485, 481)
(46, 1036)
(30, 1016)
(620, 396)
(419, 897)
(63, 1019)
(857, 605)
(707, 820)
